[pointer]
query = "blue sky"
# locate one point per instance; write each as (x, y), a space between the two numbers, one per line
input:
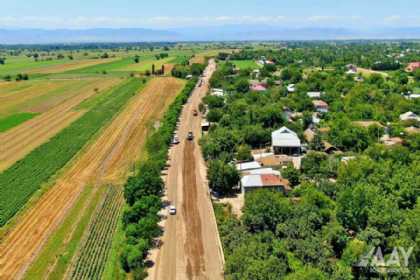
(184, 13)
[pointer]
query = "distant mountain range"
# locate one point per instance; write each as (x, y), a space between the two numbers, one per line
(217, 33)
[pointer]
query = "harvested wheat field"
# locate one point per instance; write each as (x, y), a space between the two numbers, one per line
(107, 160)
(68, 66)
(41, 95)
(57, 113)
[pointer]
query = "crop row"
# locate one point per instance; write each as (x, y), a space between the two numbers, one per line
(93, 253)
(20, 181)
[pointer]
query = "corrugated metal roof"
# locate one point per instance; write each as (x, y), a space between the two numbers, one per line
(285, 137)
(263, 180)
(264, 171)
(248, 166)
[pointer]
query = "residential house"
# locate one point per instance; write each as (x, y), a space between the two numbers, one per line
(258, 87)
(413, 66)
(285, 141)
(264, 181)
(314, 94)
(320, 106)
(217, 92)
(409, 116)
(246, 166)
(261, 171)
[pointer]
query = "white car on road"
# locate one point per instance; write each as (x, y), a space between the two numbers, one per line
(172, 210)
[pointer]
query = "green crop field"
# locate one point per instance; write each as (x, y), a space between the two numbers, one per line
(147, 65)
(90, 262)
(14, 120)
(246, 64)
(26, 176)
(108, 67)
(23, 64)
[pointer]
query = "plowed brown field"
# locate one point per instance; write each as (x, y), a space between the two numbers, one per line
(107, 160)
(18, 142)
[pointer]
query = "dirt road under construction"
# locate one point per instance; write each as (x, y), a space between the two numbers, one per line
(191, 247)
(104, 161)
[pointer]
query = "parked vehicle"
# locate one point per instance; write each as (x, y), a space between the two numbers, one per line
(195, 113)
(175, 140)
(172, 210)
(190, 136)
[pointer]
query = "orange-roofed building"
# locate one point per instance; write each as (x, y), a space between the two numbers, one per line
(413, 66)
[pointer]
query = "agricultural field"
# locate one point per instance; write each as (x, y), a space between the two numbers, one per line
(71, 129)
(23, 64)
(39, 96)
(106, 161)
(90, 262)
(35, 111)
(46, 160)
(246, 64)
(144, 65)
(11, 121)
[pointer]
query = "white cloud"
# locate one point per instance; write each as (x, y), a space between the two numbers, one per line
(158, 21)
(392, 18)
(322, 18)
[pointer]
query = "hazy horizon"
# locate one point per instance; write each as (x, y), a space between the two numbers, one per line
(78, 14)
(48, 21)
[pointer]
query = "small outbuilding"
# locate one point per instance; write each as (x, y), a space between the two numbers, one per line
(291, 88)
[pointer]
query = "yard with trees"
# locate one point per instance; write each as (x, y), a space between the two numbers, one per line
(343, 204)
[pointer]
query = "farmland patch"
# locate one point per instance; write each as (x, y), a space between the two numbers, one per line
(14, 120)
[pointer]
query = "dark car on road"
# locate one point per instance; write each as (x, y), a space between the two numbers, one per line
(190, 136)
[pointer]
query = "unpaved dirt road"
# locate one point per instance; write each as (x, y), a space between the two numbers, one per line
(104, 161)
(19, 141)
(191, 247)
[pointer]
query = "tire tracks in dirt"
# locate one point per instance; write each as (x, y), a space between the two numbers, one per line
(194, 240)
